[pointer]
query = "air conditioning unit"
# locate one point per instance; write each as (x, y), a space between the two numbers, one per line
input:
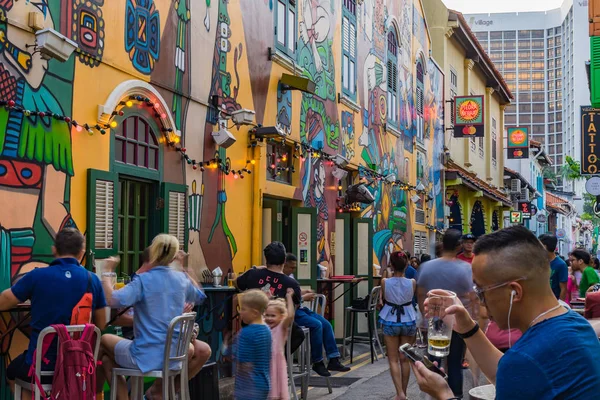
(515, 186)
(525, 194)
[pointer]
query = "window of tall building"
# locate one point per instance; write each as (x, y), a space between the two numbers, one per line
(495, 35)
(510, 56)
(524, 118)
(551, 42)
(481, 36)
(538, 118)
(524, 34)
(510, 45)
(524, 44)
(510, 34)
(559, 127)
(511, 109)
(510, 65)
(496, 46)
(524, 108)
(539, 129)
(524, 55)
(496, 55)
(537, 34)
(537, 97)
(510, 119)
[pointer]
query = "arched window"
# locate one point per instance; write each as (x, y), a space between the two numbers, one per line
(392, 78)
(136, 144)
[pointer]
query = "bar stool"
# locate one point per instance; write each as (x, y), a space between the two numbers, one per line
(320, 300)
(303, 366)
(371, 314)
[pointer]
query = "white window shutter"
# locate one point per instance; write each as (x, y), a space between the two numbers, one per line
(352, 43)
(177, 216)
(346, 34)
(104, 217)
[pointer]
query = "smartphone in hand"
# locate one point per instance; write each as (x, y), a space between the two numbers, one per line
(414, 356)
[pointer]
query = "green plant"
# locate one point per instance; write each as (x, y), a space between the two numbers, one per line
(571, 170)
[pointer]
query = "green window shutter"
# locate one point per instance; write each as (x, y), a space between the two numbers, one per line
(174, 212)
(102, 215)
(349, 52)
(595, 70)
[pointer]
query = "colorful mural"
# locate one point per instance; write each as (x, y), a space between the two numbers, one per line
(86, 28)
(142, 34)
(434, 128)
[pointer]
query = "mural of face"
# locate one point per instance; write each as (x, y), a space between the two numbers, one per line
(319, 180)
(15, 56)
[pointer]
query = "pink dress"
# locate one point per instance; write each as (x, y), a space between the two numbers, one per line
(279, 376)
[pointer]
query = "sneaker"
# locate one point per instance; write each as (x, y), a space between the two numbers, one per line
(320, 369)
(336, 365)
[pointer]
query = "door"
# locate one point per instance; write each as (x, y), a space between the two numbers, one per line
(304, 244)
(272, 222)
(134, 222)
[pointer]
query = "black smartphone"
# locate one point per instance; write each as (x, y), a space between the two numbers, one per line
(414, 356)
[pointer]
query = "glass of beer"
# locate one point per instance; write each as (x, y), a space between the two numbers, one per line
(439, 332)
(120, 283)
(231, 278)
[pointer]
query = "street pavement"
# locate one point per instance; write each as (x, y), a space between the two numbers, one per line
(376, 383)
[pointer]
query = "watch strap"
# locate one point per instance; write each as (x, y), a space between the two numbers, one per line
(470, 333)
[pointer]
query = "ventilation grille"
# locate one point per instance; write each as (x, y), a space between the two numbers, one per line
(105, 206)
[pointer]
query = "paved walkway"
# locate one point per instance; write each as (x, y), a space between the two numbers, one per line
(376, 383)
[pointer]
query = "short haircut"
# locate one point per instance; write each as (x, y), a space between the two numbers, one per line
(582, 255)
(549, 241)
(425, 258)
(513, 253)
(290, 257)
(69, 242)
(451, 240)
(255, 299)
(399, 261)
(163, 249)
(596, 263)
(275, 253)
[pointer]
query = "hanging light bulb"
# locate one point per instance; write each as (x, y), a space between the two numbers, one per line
(129, 103)
(113, 124)
(235, 176)
(252, 162)
(157, 105)
(79, 128)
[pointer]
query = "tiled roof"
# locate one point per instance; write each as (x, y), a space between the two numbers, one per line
(472, 178)
(556, 203)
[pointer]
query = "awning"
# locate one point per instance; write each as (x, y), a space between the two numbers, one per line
(470, 180)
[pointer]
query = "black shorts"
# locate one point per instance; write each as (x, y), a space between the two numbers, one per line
(19, 369)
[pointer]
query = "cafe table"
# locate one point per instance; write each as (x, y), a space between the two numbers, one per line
(486, 392)
(326, 287)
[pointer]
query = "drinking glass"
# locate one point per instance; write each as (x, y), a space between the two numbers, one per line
(120, 283)
(439, 332)
(231, 278)
(112, 276)
(127, 280)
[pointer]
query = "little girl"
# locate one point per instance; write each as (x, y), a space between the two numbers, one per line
(398, 317)
(279, 318)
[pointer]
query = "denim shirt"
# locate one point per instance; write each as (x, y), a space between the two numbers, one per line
(158, 296)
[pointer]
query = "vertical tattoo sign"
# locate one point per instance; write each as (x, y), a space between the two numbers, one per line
(589, 140)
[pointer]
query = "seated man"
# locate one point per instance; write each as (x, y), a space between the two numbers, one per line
(201, 351)
(54, 291)
(321, 331)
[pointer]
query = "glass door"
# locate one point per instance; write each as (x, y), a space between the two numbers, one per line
(134, 223)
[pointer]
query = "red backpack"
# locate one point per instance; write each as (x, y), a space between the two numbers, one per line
(75, 370)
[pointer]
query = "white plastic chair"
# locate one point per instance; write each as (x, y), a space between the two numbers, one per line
(185, 323)
(20, 384)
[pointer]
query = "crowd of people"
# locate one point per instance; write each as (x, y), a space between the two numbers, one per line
(511, 319)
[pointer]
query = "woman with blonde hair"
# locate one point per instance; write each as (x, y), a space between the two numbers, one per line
(158, 295)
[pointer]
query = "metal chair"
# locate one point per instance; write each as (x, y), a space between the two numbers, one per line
(20, 384)
(320, 300)
(185, 324)
(303, 367)
(371, 314)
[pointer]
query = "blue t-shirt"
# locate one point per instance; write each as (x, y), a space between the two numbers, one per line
(253, 363)
(559, 273)
(53, 292)
(555, 359)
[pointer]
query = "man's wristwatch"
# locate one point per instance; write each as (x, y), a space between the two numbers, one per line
(468, 334)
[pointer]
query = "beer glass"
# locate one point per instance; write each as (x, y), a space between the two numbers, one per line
(439, 332)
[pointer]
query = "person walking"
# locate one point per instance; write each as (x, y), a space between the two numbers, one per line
(398, 318)
(580, 261)
(559, 271)
(556, 358)
(449, 273)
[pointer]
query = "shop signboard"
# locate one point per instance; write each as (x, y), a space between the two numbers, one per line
(518, 142)
(590, 164)
(468, 116)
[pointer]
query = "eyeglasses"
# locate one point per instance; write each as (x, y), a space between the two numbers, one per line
(480, 291)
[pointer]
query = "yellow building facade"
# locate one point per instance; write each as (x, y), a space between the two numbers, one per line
(474, 188)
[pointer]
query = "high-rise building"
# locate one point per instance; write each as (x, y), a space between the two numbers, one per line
(542, 57)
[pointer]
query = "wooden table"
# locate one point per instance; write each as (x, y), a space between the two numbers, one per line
(487, 392)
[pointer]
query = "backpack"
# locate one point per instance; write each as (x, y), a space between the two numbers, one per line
(75, 370)
(82, 312)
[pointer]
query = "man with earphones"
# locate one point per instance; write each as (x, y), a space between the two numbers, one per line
(556, 358)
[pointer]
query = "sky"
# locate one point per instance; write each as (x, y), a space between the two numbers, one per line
(492, 6)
